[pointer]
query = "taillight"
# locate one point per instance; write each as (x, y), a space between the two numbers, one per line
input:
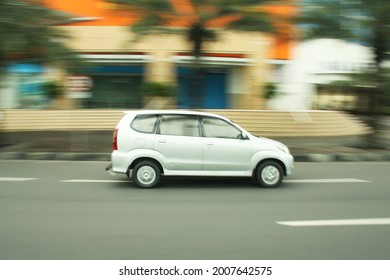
(115, 140)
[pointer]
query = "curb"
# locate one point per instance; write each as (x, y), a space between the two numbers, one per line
(55, 156)
(341, 157)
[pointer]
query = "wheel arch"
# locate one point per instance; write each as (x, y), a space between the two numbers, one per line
(280, 162)
(138, 160)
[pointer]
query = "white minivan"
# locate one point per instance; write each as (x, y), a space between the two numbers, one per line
(150, 144)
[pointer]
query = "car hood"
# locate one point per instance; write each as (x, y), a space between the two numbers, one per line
(266, 142)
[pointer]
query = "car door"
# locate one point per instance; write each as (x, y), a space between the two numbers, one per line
(178, 141)
(224, 148)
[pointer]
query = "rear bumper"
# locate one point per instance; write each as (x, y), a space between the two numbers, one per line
(109, 170)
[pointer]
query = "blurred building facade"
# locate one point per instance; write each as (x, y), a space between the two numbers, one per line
(237, 66)
(309, 79)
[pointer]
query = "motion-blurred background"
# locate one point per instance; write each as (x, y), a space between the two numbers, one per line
(69, 68)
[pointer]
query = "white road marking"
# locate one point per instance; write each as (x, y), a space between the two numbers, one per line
(340, 222)
(341, 180)
(92, 181)
(16, 179)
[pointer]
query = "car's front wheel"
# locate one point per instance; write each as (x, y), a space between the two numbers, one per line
(269, 174)
(146, 174)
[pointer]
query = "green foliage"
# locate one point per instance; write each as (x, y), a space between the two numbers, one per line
(158, 89)
(365, 21)
(28, 33)
(52, 89)
(324, 19)
(270, 90)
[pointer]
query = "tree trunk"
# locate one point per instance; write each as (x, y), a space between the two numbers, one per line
(376, 103)
(196, 98)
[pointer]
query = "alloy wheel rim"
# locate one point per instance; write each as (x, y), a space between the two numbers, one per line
(270, 175)
(146, 175)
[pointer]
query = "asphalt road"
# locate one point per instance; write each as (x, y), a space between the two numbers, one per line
(75, 210)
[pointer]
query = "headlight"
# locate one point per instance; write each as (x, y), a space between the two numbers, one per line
(284, 148)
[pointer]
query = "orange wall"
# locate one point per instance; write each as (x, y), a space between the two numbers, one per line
(106, 12)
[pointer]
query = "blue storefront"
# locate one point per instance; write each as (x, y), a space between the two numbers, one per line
(115, 86)
(207, 89)
(27, 86)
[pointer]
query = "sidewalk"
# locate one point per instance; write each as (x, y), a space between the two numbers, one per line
(96, 146)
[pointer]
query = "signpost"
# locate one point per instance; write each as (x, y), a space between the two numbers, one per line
(78, 86)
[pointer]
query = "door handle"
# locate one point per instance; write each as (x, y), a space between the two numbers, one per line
(210, 144)
(162, 141)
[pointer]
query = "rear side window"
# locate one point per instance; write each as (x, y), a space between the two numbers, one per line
(181, 125)
(144, 123)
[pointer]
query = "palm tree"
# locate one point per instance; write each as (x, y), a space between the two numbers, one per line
(362, 21)
(198, 20)
(27, 33)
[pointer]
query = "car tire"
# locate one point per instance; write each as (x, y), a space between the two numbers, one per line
(146, 174)
(269, 174)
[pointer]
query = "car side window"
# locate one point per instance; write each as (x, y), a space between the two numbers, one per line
(180, 125)
(217, 128)
(144, 123)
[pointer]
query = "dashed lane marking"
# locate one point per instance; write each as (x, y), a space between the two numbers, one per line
(339, 222)
(16, 179)
(92, 181)
(340, 180)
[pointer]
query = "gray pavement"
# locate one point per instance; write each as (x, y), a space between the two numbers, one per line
(63, 210)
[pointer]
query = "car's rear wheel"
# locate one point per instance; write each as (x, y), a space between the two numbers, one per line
(269, 174)
(146, 174)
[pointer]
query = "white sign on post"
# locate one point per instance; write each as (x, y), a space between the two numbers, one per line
(78, 86)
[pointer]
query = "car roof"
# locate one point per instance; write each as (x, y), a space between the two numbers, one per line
(174, 112)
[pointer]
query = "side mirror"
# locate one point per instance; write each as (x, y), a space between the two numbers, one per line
(243, 136)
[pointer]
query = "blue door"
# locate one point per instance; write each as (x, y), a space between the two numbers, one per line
(215, 96)
(211, 92)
